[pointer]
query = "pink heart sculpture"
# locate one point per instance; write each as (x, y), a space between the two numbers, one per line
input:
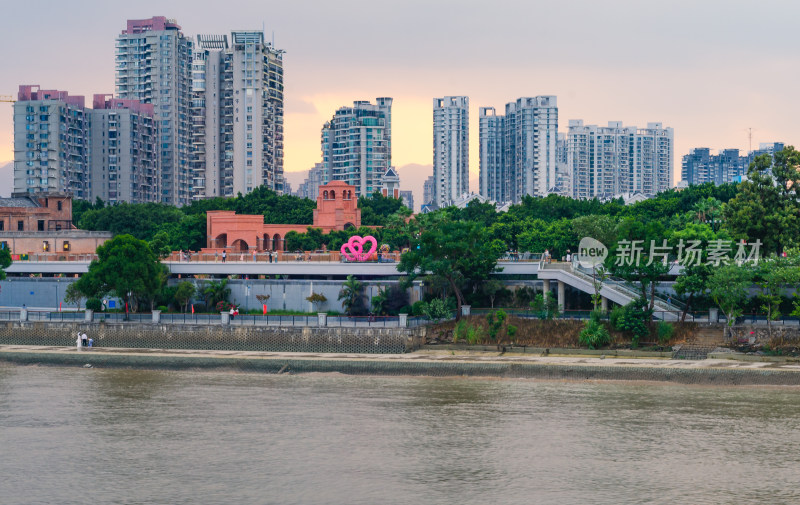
(353, 250)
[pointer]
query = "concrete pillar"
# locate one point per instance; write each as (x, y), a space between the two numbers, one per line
(713, 315)
(402, 320)
(225, 318)
(604, 304)
(23, 315)
(561, 295)
(88, 315)
(156, 316)
(322, 319)
(465, 310)
(546, 287)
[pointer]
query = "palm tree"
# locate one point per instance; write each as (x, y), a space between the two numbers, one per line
(714, 207)
(701, 211)
(350, 295)
(216, 291)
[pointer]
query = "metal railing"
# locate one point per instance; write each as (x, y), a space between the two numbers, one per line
(215, 318)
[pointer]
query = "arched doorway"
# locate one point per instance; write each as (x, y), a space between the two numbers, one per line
(221, 241)
(267, 245)
(277, 243)
(240, 246)
(347, 226)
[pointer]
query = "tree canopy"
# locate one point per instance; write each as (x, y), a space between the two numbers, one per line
(125, 268)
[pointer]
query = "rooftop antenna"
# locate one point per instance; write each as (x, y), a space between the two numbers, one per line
(750, 138)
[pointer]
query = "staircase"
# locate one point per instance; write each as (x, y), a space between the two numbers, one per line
(615, 290)
(705, 341)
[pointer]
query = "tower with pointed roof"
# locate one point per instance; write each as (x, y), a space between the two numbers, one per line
(391, 184)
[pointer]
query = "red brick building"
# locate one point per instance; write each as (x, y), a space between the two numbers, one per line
(337, 209)
(42, 224)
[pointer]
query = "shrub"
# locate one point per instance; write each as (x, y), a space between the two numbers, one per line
(162, 308)
(633, 319)
(467, 332)
(418, 309)
(436, 309)
(594, 335)
(94, 304)
(664, 332)
(511, 331)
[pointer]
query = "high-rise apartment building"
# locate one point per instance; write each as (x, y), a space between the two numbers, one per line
(427, 190)
(494, 181)
(529, 144)
(357, 145)
(528, 160)
(124, 151)
(310, 186)
(450, 148)
(609, 161)
(654, 157)
(237, 113)
(408, 199)
(563, 173)
(153, 66)
(51, 148)
(700, 166)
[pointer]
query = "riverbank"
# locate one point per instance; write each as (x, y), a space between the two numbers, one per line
(422, 363)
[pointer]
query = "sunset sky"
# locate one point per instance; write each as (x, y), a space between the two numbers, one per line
(709, 69)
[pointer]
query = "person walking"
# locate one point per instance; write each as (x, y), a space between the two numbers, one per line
(224, 256)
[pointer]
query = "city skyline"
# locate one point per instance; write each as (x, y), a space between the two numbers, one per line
(703, 108)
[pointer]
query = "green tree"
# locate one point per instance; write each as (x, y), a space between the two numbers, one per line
(490, 288)
(352, 297)
(215, 292)
(456, 251)
(160, 244)
(73, 295)
(767, 207)
(728, 286)
(376, 209)
(545, 306)
(693, 280)
(634, 319)
(598, 227)
(5, 262)
(436, 309)
(316, 300)
(773, 276)
(630, 257)
(126, 268)
(184, 293)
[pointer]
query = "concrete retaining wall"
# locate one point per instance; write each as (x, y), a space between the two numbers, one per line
(291, 294)
(759, 334)
(216, 337)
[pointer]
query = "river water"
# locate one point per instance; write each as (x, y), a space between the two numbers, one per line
(93, 436)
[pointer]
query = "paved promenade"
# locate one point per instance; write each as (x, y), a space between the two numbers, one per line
(424, 363)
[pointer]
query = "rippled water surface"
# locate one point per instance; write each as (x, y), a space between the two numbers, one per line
(144, 437)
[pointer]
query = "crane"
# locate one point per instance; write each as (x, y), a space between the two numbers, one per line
(7, 98)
